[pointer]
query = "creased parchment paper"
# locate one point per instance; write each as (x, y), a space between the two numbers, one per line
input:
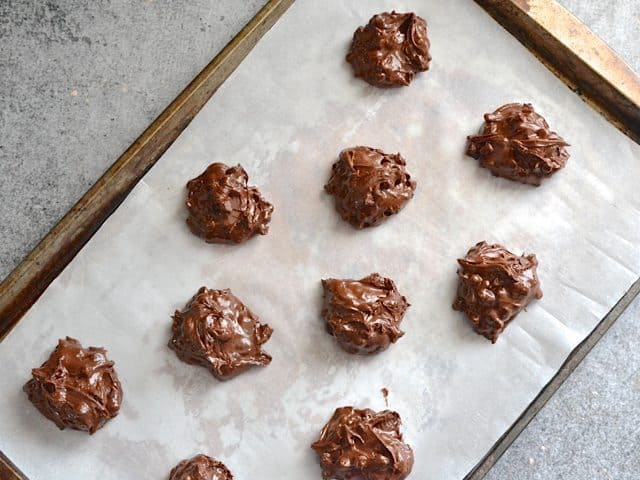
(285, 114)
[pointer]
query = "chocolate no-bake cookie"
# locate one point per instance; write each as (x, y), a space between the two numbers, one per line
(390, 49)
(363, 445)
(517, 143)
(76, 387)
(216, 330)
(223, 208)
(494, 286)
(200, 467)
(369, 185)
(363, 315)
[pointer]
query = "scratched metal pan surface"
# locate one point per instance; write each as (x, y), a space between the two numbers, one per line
(285, 114)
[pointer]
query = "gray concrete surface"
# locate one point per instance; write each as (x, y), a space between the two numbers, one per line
(79, 81)
(616, 21)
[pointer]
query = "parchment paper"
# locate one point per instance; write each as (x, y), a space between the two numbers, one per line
(285, 114)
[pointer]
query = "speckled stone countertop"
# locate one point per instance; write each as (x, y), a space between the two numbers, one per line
(97, 73)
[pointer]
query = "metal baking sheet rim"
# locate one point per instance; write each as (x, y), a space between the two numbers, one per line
(81, 223)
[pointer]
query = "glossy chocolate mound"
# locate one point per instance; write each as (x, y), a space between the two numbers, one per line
(200, 467)
(494, 286)
(390, 49)
(76, 387)
(363, 445)
(516, 143)
(364, 315)
(369, 185)
(216, 330)
(223, 208)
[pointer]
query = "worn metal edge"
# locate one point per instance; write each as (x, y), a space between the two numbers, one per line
(34, 274)
(568, 48)
(8, 471)
(573, 360)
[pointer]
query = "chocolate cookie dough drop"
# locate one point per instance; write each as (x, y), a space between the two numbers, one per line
(363, 315)
(516, 143)
(200, 467)
(76, 387)
(223, 208)
(390, 49)
(363, 445)
(216, 330)
(494, 287)
(369, 185)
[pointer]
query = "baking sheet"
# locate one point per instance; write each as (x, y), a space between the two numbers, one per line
(285, 114)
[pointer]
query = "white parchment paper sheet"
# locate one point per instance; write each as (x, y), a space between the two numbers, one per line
(285, 114)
